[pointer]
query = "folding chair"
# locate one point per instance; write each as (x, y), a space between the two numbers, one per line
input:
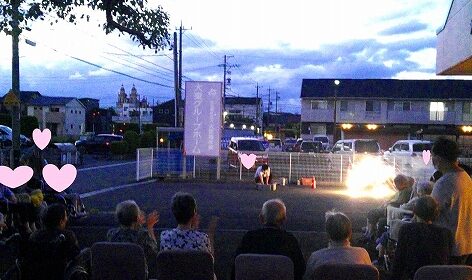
(184, 264)
(346, 272)
(259, 267)
(117, 261)
(444, 272)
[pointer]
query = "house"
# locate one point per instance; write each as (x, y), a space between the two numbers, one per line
(387, 109)
(243, 109)
(454, 44)
(164, 114)
(62, 115)
(25, 98)
(132, 109)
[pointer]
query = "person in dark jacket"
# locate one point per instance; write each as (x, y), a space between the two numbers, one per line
(52, 247)
(421, 243)
(272, 239)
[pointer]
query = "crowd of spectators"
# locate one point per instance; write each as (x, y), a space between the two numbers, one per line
(437, 232)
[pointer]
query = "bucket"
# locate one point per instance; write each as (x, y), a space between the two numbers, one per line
(273, 187)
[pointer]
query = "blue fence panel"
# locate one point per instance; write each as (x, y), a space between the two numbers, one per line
(169, 161)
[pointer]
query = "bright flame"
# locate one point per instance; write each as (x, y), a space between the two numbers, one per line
(370, 177)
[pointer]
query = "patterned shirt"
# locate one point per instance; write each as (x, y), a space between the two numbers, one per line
(185, 240)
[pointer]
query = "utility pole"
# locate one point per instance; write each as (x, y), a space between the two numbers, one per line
(276, 99)
(268, 110)
(176, 81)
(225, 71)
(258, 105)
(181, 28)
(16, 109)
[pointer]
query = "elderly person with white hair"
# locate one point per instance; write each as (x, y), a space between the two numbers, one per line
(131, 220)
(339, 251)
(272, 239)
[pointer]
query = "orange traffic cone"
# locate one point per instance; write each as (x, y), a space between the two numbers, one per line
(313, 182)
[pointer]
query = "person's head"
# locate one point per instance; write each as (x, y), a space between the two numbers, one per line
(184, 208)
(424, 188)
(402, 182)
(265, 167)
(273, 212)
(426, 208)
(55, 217)
(338, 226)
(127, 213)
(444, 153)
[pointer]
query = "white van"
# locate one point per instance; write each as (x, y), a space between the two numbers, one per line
(409, 148)
(357, 146)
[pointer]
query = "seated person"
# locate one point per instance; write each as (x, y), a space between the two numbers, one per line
(185, 236)
(339, 251)
(131, 221)
(51, 248)
(263, 175)
(272, 238)
(421, 243)
(403, 185)
(422, 189)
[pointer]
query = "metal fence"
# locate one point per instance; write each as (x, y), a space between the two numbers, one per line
(326, 167)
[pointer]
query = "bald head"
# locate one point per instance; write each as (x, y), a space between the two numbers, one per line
(273, 212)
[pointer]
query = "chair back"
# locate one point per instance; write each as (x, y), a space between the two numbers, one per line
(259, 267)
(346, 272)
(444, 272)
(184, 264)
(117, 261)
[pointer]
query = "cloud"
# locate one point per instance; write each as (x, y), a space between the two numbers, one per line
(76, 76)
(404, 28)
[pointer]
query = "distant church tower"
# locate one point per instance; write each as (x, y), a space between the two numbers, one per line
(133, 97)
(122, 98)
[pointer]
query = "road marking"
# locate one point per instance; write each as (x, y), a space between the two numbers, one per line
(110, 189)
(105, 166)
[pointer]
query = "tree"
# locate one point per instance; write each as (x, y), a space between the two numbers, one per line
(147, 26)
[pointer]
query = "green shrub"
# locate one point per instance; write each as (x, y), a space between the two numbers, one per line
(119, 148)
(132, 138)
(28, 124)
(148, 139)
(64, 139)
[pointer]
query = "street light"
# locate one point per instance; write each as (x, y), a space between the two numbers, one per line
(336, 84)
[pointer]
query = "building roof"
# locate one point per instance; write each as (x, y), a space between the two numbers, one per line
(25, 96)
(50, 100)
(387, 89)
(241, 100)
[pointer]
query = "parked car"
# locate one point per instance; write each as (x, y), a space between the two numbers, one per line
(97, 144)
(311, 147)
(324, 141)
(247, 146)
(288, 145)
(275, 145)
(409, 148)
(6, 136)
(357, 146)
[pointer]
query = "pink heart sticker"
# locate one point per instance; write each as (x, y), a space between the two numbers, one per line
(248, 161)
(59, 179)
(41, 138)
(15, 178)
(426, 156)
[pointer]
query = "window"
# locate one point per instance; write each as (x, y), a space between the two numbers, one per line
(125, 108)
(344, 106)
(80, 112)
(466, 108)
(80, 127)
(372, 106)
(402, 106)
(71, 111)
(55, 110)
(319, 105)
(166, 111)
(76, 111)
(436, 111)
(71, 126)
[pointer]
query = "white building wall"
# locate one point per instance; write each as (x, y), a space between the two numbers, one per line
(74, 117)
(454, 44)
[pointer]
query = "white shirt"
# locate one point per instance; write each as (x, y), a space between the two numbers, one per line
(453, 191)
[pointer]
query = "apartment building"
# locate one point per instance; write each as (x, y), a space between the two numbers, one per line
(249, 108)
(387, 109)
